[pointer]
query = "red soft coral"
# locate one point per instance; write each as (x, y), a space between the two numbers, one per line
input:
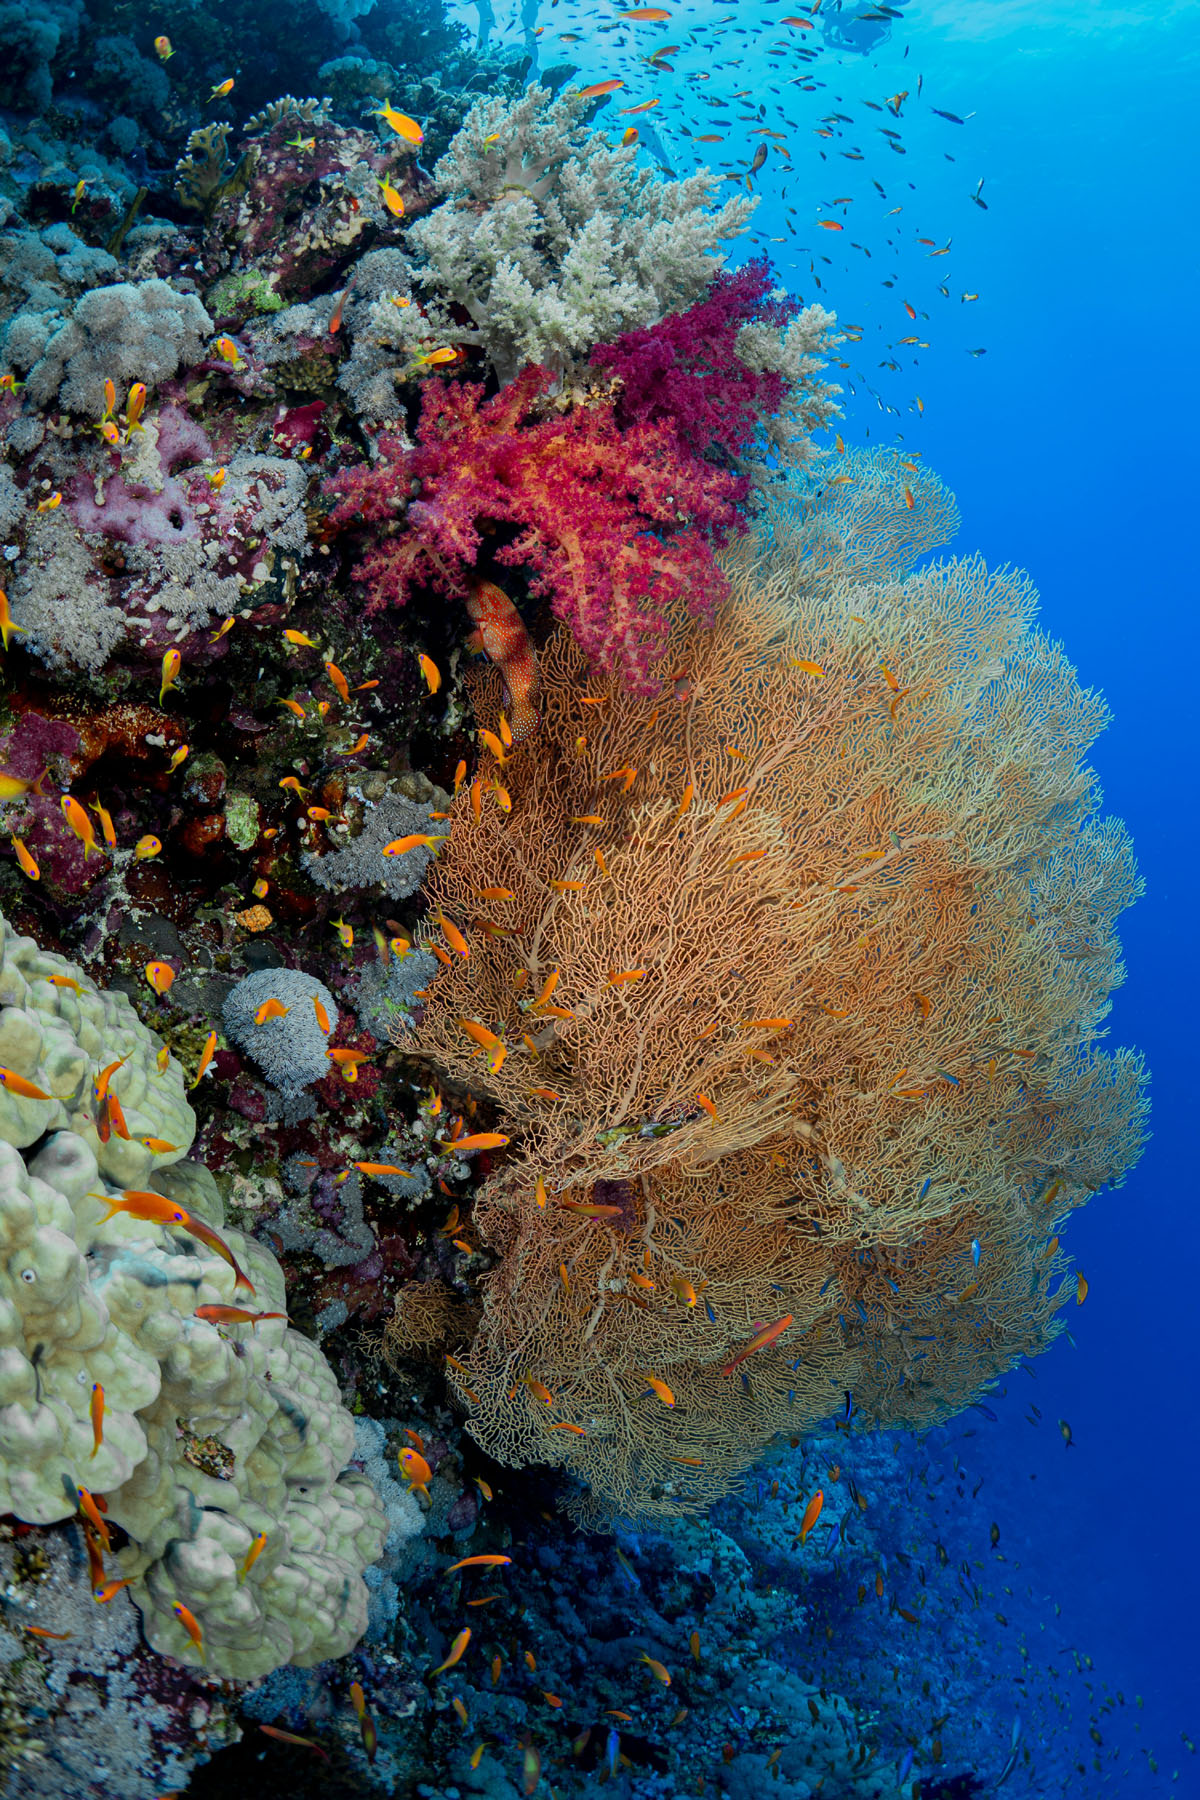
(686, 370)
(616, 526)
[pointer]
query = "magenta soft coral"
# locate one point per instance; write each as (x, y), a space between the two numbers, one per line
(615, 526)
(685, 371)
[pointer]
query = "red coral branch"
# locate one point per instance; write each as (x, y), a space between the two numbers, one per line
(616, 526)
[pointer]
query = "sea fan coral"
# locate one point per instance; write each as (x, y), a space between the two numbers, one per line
(798, 987)
(615, 527)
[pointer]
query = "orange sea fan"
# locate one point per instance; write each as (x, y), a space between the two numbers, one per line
(846, 872)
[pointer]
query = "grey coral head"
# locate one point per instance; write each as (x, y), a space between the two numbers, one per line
(291, 1048)
(361, 862)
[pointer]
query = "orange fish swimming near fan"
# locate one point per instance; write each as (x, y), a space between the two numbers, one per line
(501, 635)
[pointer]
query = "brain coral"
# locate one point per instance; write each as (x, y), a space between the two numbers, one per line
(211, 1433)
(800, 1016)
(290, 1049)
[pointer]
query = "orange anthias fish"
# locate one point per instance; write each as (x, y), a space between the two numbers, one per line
(489, 1560)
(160, 975)
(456, 1651)
(206, 1056)
(97, 1416)
(252, 1555)
(292, 1737)
(81, 825)
(501, 635)
(400, 123)
(415, 1469)
(760, 1341)
(7, 623)
(479, 1140)
(600, 87)
(431, 672)
(170, 669)
(17, 1084)
(27, 865)
(233, 1315)
(812, 1513)
(401, 846)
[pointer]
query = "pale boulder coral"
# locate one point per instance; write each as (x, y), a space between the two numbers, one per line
(212, 1432)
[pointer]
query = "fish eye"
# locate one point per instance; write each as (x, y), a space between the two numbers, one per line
(28, 1274)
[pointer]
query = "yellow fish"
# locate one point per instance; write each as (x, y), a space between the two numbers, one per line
(392, 199)
(146, 847)
(400, 123)
(50, 504)
(298, 638)
(431, 672)
(171, 664)
(162, 46)
(222, 88)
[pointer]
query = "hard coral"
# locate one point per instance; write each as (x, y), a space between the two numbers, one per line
(616, 527)
(206, 1439)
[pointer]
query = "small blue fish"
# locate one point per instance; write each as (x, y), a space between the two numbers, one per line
(612, 1749)
(976, 1251)
(712, 1317)
(925, 1187)
(905, 1769)
(985, 1410)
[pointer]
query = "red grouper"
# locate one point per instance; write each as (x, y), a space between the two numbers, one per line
(502, 636)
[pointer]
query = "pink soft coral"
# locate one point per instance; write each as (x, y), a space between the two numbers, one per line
(686, 370)
(615, 526)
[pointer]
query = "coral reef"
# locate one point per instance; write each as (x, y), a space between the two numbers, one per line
(792, 1018)
(717, 371)
(365, 860)
(130, 331)
(615, 528)
(551, 241)
(199, 1438)
(290, 1046)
